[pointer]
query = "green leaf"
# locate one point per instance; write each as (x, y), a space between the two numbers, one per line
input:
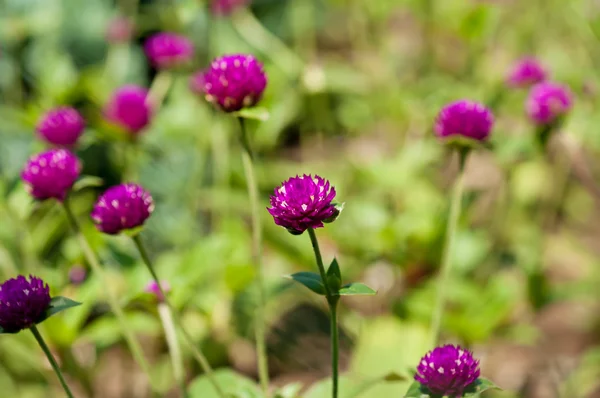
(234, 384)
(356, 289)
(415, 391)
(393, 377)
(311, 280)
(57, 304)
(334, 276)
(480, 386)
(289, 391)
(334, 269)
(87, 182)
(257, 113)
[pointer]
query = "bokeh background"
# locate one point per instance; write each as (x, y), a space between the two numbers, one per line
(354, 87)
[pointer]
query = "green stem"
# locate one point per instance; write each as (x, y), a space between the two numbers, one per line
(134, 345)
(159, 89)
(446, 265)
(42, 343)
(332, 301)
(197, 353)
(428, 54)
(166, 318)
(259, 324)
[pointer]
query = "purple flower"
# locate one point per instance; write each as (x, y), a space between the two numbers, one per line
(227, 7)
(129, 108)
(547, 102)
(232, 82)
(526, 72)
(447, 371)
(166, 50)
(119, 30)
(61, 126)
(303, 202)
(22, 302)
(121, 208)
(466, 119)
(77, 275)
(51, 174)
(153, 288)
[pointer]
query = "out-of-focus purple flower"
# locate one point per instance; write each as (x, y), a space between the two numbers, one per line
(153, 288)
(547, 102)
(22, 302)
(129, 108)
(166, 50)
(51, 174)
(227, 7)
(526, 72)
(232, 82)
(119, 30)
(447, 371)
(122, 207)
(61, 126)
(77, 275)
(303, 202)
(464, 118)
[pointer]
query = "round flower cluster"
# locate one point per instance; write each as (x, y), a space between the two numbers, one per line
(466, 119)
(22, 302)
(61, 126)
(51, 174)
(227, 7)
(129, 108)
(526, 72)
(547, 102)
(154, 289)
(167, 50)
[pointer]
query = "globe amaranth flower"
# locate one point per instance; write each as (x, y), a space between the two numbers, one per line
(119, 30)
(232, 82)
(61, 126)
(122, 207)
(153, 288)
(526, 72)
(447, 371)
(51, 174)
(547, 102)
(303, 202)
(466, 119)
(166, 50)
(129, 108)
(227, 7)
(77, 275)
(22, 302)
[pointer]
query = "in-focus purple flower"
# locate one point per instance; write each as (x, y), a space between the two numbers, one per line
(22, 302)
(448, 371)
(153, 288)
(464, 118)
(51, 174)
(119, 30)
(227, 7)
(122, 207)
(232, 82)
(61, 126)
(77, 274)
(167, 50)
(129, 108)
(547, 102)
(526, 72)
(303, 202)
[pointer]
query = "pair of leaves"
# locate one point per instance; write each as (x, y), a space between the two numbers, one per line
(57, 304)
(480, 385)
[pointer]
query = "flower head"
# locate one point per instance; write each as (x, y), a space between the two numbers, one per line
(61, 126)
(129, 108)
(547, 102)
(226, 7)
(77, 274)
(466, 119)
(51, 174)
(153, 288)
(526, 72)
(22, 302)
(121, 208)
(119, 30)
(447, 371)
(166, 50)
(232, 82)
(303, 202)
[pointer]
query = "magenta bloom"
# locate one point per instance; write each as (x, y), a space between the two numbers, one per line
(227, 7)
(464, 118)
(166, 50)
(153, 288)
(61, 126)
(121, 208)
(547, 102)
(119, 30)
(232, 82)
(447, 371)
(303, 202)
(22, 302)
(51, 174)
(526, 72)
(129, 108)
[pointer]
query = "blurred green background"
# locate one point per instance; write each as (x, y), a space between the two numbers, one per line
(354, 87)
